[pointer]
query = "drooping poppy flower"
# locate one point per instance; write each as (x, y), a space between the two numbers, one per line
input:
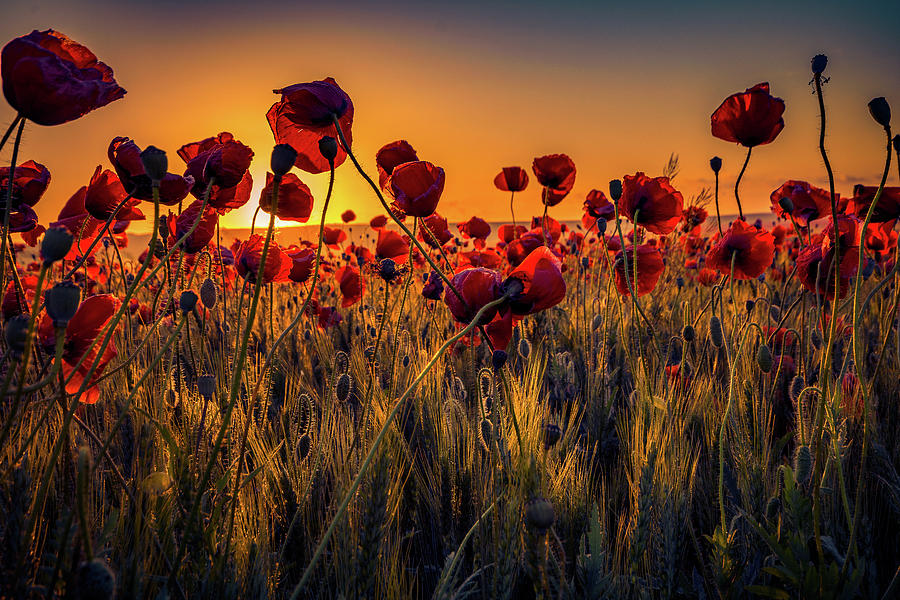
(887, 209)
(390, 156)
(378, 222)
(649, 267)
(692, 218)
(544, 286)
(304, 259)
(305, 114)
(477, 287)
(507, 233)
(295, 201)
(88, 322)
(125, 157)
(347, 216)
(204, 231)
(556, 172)
(651, 203)
(30, 181)
(750, 118)
(50, 79)
(810, 203)
(351, 284)
(104, 193)
(334, 236)
(248, 259)
(417, 187)
(525, 244)
(437, 234)
(511, 179)
(391, 245)
(597, 205)
(475, 227)
(752, 250)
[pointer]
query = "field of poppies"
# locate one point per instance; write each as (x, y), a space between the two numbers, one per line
(659, 403)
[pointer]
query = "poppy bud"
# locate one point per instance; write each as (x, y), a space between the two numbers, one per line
(819, 62)
(524, 349)
(187, 301)
(303, 445)
(486, 433)
(585, 262)
(796, 387)
(764, 358)
(786, 204)
(206, 387)
(688, 334)
(715, 332)
(498, 359)
(679, 281)
(208, 293)
(539, 514)
(615, 189)
(344, 387)
(601, 226)
(597, 322)
(715, 163)
(156, 164)
(16, 331)
(750, 305)
(868, 269)
(328, 148)
(802, 464)
(283, 157)
(816, 338)
(62, 302)
(56, 244)
(96, 580)
(880, 111)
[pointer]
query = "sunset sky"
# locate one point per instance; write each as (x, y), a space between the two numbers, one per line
(474, 88)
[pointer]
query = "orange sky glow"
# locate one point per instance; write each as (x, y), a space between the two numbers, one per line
(473, 95)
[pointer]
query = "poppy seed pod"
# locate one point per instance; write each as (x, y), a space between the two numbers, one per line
(283, 157)
(786, 204)
(819, 62)
(156, 164)
(615, 189)
(96, 580)
(539, 514)
(328, 147)
(187, 301)
(208, 293)
(715, 163)
(601, 226)
(498, 359)
(16, 331)
(880, 111)
(62, 302)
(56, 244)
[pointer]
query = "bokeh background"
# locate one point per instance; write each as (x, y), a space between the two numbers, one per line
(476, 86)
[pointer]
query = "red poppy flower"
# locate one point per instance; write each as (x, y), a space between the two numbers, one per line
(305, 114)
(202, 234)
(295, 201)
(480, 258)
(881, 239)
(347, 216)
(500, 329)
(478, 287)
(329, 317)
(88, 322)
(13, 302)
(30, 181)
(334, 236)
(416, 187)
(556, 172)
(751, 247)
(438, 230)
(810, 202)
(104, 193)
(303, 261)
(125, 157)
(597, 205)
(248, 259)
(351, 284)
(227, 199)
(887, 209)
(391, 156)
(815, 271)
(649, 267)
(51, 79)
(475, 227)
(507, 233)
(511, 179)
(692, 218)
(750, 118)
(378, 222)
(525, 244)
(391, 245)
(547, 226)
(541, 275)
(81, 225)
(31, 236)
(221, 157)
(651, 203)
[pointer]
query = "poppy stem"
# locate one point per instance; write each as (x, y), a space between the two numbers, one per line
(253, 221)
(9, 130)
(737, 184)
(512, 213)
(718, 212)
(8, 207)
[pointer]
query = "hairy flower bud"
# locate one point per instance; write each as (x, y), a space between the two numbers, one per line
(208, 293)
(328, 148)
(786, 204)
(156, 164)
(56, 244)
(715, 332)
